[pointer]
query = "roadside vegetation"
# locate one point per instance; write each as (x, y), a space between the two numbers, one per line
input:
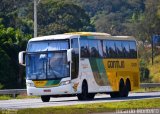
(155, 70)
(22, 96)
(94, 108)
(138, 18)
(5, 97)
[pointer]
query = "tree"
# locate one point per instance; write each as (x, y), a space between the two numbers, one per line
(116, 18)
(11, 42)
(15, 14)
(148, 23)
(61, 17)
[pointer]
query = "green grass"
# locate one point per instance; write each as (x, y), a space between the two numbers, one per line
(94, 108)
(5, 97)
(26, 97)
(9, 97)
(155, 70)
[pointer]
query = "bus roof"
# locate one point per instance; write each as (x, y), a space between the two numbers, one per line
(54, 37)
(91, 35)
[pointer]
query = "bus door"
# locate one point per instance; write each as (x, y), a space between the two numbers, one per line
(75, 58)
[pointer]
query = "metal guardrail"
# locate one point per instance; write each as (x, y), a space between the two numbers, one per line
(15, 92)
(149, 85)
(12, 92)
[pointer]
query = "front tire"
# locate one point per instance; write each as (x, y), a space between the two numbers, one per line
(84, 94)
(45, 98)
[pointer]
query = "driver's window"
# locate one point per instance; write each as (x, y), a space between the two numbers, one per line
(75, 58)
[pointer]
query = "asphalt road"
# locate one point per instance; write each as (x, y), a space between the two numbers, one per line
(37, 103)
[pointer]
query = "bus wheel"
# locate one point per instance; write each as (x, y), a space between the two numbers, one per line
(84, 94)
(127, 88)
(114, 94)
(45, 98)
(122, 88)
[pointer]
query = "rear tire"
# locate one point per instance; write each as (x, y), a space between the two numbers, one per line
(122, 88)
(127, 88)
(45, 98)
(84, 95)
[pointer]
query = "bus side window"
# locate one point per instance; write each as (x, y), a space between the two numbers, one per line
(75, 58)
(100, 50)
(133, 50)
(93, 48)
(119, 49)
(126, 50)
(84, 48)
(111, 48)
(105, 49)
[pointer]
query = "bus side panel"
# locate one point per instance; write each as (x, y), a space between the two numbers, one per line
(89, 70)
(111, 73)
(122, 69)
(130, 71)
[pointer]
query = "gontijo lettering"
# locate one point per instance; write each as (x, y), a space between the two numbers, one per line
(116, 64)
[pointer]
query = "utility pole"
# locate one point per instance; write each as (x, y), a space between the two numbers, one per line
(35, 17)
(152, 50)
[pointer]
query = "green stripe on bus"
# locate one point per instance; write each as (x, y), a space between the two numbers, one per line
(102, 71)
(52, 82)
(99, 72)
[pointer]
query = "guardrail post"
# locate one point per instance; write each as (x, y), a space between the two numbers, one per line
(14, 95)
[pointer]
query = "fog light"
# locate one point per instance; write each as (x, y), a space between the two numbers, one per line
(30, 84)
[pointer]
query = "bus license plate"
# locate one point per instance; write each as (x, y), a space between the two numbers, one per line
(47, 90)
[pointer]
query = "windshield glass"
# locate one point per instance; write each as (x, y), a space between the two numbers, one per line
(54, 45)
(47, 65)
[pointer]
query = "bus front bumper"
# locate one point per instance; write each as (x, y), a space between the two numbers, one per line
(59, 90)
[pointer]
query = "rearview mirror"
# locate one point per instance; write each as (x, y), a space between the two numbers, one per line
(69, 55)
(21, 58)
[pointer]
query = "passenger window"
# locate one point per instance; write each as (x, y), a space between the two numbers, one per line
(111, 49)
(93, 48)
(84, 48)
(105, 49)
(133, 50)
(100, 48)
(126, 50)
(119, 49)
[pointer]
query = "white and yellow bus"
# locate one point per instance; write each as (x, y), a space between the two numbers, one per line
(81, 64)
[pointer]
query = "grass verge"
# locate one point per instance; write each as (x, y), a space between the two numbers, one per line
(9, 97)
(94, 108)
(26, 97)
(5, 97)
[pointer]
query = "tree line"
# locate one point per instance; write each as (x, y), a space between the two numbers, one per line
(139, 18)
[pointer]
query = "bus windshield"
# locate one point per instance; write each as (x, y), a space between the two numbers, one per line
(54, 45)
(47, 65)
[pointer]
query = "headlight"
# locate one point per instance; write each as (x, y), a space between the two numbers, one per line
(65, 82)
(30, 84)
